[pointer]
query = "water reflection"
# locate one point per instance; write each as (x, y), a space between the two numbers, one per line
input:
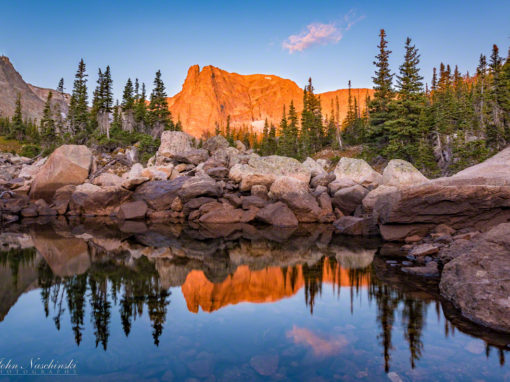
(93, 271)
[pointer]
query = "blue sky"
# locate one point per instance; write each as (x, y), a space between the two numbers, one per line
(338, 39)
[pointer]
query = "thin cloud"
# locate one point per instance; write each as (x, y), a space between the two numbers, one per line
(318, 33)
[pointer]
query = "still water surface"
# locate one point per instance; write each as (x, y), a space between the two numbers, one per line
(173, 303)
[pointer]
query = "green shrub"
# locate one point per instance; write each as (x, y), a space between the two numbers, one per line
(30, 150)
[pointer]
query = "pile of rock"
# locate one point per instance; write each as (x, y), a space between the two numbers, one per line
(217, 183)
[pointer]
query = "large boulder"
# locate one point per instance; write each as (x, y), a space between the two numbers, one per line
(225, 214)
(265, 170)
(371, 198)
(296, 195)
(494, 171)
(174, 143)
(69, 164)
(466, 206)
(215, 143)
(277, 214)
(62, 198)
(348, 199)
(358, 171)
(353, 226)
(192, 156)
(159, 195)
(28, 171)
(476, 281)
(401, 173)
(108, 179)
(132, 210)
(477, 198)
(194, 187)
(314, 167)
(88, 199)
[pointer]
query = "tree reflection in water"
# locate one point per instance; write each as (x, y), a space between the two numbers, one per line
(213, 273)
(105, 282)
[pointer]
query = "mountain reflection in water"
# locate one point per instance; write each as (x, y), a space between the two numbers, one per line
(93, 271)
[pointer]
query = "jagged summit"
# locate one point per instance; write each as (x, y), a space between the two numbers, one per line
(210, 95)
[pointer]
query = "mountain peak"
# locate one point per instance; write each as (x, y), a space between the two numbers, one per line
(210, 95)
(33, 98)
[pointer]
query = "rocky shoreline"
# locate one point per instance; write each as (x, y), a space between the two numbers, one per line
(453, 228)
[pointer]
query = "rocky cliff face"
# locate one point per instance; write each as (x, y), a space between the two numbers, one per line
(33, 98)
(209, 95)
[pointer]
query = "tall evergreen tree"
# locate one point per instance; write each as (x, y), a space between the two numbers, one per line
(293, 131)
(403, 128)
(312, 130)
(379, 107)
(128, 97)
(60, 87)
(47, 127)
(78, 107)
(18, 127)
(160, 117)
(141, 108)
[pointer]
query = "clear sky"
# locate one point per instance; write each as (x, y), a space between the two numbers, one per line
(330, 40)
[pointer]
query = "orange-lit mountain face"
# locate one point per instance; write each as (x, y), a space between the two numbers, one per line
(267, 285)
(210, 95)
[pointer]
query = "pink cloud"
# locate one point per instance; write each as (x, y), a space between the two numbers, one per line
(318, 33)
(320, 346)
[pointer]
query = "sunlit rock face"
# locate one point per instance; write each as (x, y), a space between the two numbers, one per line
(261, 286)
(211, 94)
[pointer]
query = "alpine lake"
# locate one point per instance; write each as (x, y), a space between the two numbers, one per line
(93, 300)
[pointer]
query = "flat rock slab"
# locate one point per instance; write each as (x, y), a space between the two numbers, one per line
(477, 280)
(429, 270)
(424, 250)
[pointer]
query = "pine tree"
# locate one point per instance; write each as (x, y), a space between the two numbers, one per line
(312, 131)
(160, 117)
(264, 144)
(78, 108)
(107, 91)
(141, 108)
(47, 127)
(228, 133)
(403, 129)
(496, 138)
(128, 98)
(272, 144)
(379, 105)
(504, 96)
(18, 127)
(60, 87)
(293, 131)
(285, 145)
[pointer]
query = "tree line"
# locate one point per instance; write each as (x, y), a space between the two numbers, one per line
(457, 121)
(137, 119)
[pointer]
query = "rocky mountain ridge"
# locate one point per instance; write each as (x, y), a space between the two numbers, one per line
(208, 96)
(33, 97)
